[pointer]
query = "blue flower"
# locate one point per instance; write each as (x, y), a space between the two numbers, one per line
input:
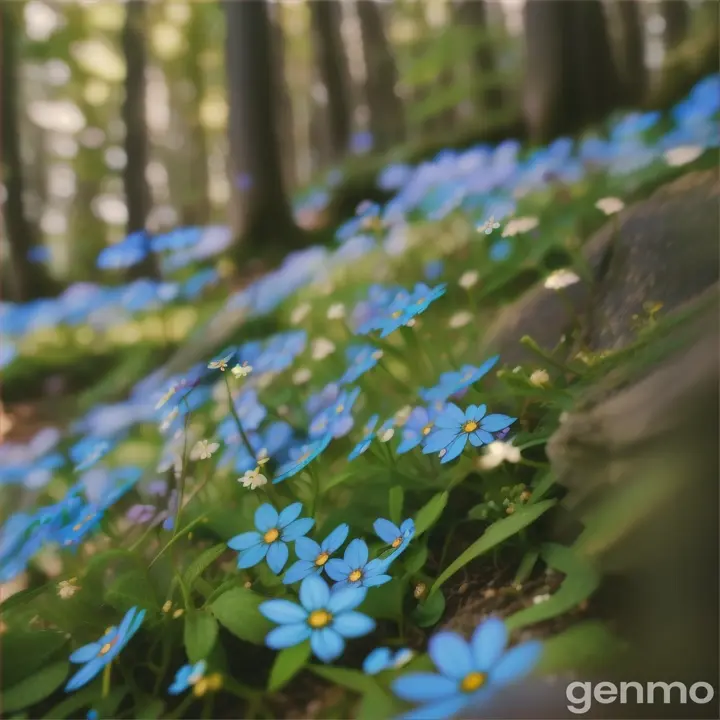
(383, 658)
(337, 420)
(326, 617)
(398, 538)
(273, 532)
(88, 451)
(434, 269)
(452, 383)
(313, 556)
(406, 307)
(97, 655)
(302, 457)
(361, 359)
(417, 427)
(354, 570)
(368, 435)
(469, 672)
(92, 714)
(455, 428)
(187, 676)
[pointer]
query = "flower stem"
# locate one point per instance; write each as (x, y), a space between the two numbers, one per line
(106, 680)
(236, 417)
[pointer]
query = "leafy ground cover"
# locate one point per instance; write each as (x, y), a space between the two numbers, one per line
(309, 522)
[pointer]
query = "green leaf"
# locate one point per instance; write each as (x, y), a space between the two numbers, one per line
(429, 612)
(21, 598)
(581, 581)
(151, 710)
(337, 480)
(526, 566)
(351, 679)
(201, 631)
(415, 560)
(495, 534)
(287, 665)
(430, 512)
(35, 688)
(542, 487)
(29, 651)
(384, 602)
(85, 697)
(237, 610)
(201, 563)
(588, 647)
(396, 503)
(130, 589)
(375, 704)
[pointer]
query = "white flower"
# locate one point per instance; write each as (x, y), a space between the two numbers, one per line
(496, 453)
(301, 376)
(203, 450)
(561, 278)
(321, 348)
(336, 311)
(538, 378)
(520, 225)
(541, 598)
(387, 435)
(253, 479)
(299, 313)
(610, 205)
(67, 588)
(403, 658)
(683, 155)
(468, 279)
(241, 370)
(220, 364)
(460, 319)
(402, 415)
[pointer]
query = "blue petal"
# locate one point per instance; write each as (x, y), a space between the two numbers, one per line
(298, 571)
(336, 538)
(297, 529)
(386, 530)
(356, 554)
(455, 448)
(424, 686)
(477, 412)
(86, 653)
(266, 518)
(286, 636)
(307, 549)
(516, 663)
(488, 643)
(442, 710)
(347, 598)
(245, 540)
(337, 569)
(353, 624)
(451, 655)
(290, 513)
(251, 557)
(376, 580)
(283, 611)
(85, 674)
(327, 644)
(451, 418)
(438, 440)
(277, 556)
(496, 422)
(377, 661)
(314, 593)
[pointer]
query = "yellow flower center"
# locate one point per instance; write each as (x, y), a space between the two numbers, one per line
(396, 542)
(427, 429)
(271, 535)
(321, 559)
(473, 681)
(319, 619)
(107, 647)
(355, 575)
(470, 426)
(339, 408)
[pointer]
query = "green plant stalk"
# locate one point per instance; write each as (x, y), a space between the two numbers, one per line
(236, 417)
(106, 680)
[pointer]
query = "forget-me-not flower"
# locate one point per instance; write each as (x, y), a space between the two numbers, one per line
(354, 570)
(193, 676)
(314, 556)
(383, 658)
(300, 458)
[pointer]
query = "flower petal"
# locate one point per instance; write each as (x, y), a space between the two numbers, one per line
(299, 571)
(283, 611)
(353, 624)
(314, 593)
(327, 644)
(379, 659)
(477, 438)
(451, 654)
(85, 674)
(252, 556)
(356, 553)
(423, 686)
(266, 517)
(496, 422)
(455, 448)
(307, 549)
(452, 417)
(439, 439)
(290, 513)
(277, 556)
(516, 663)
(386, 530)
(337, 569)
(86, 653)
(336, 538)
(297, 529)
(346, 598)
(488, 643)
(245, 540)
(376, 580)
(478, 412)
(286, 636)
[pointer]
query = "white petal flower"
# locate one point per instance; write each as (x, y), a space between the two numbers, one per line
(301, 376)
(460, 319)
(610, 205)
(241, 370)
(402, 415)
(336, 311)
(560, 279)
(299, 313)
(67, 588)
(203, 450)
(496, 453)
(518, 226)
(387, 435)
(468, 279)
(683, 155)
(321, 348)
(253, 479)
(538, 378)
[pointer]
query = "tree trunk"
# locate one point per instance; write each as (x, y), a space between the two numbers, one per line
(260, 211)
(137, 190)
(326, 18)
(677, 22)
(571, 78)
(632, 52)
(29, 280)
(387, 114)
(474, 14)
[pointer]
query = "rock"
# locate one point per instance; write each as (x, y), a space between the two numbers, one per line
(662, 250)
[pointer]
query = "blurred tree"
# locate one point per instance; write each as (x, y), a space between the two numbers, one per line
(571, 79)
(387, 114)
(677, 21)
(260, 211)
(632, 51)
(326, 19)
(28, 279)
(474, 14)
(137, 190)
